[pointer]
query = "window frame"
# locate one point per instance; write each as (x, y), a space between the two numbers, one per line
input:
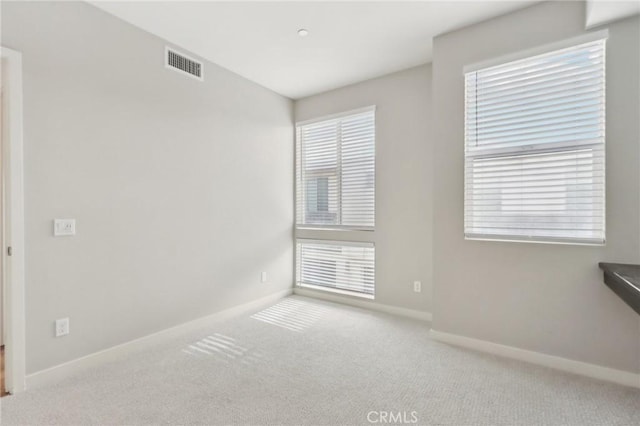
(298, 159)
(534, 148)
(340, 243)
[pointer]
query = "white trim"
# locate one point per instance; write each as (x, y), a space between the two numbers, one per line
(13, 267)
(359, 303)
(58, 372)
(535, 240)
(339, 228)
(539, 50)
(335, 242)
(338, 291)
(594, 371)
(481, 152)
(336, 116)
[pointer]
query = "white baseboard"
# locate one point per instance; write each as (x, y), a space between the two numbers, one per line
(620, 377)
(55, 373)
(346, 300)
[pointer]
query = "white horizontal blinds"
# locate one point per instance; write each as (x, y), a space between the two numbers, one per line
(534, 147)
(336, 266)
(357, 134)
(335, 171)
(318, 171)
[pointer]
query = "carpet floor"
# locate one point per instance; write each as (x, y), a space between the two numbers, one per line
(303, 361)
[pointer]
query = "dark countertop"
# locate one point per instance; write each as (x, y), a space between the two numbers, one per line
(624, 280)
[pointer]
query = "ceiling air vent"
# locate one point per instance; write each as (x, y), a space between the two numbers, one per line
(183, 64)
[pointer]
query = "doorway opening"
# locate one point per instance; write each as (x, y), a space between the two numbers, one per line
(12, 306)
(3, 390)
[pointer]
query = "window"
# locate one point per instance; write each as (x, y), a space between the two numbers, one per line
(335, 189)
(345, 267)
(317, 205)
(335, 171)
(534, 147)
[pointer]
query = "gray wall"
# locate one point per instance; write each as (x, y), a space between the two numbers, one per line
(182, 190)
(403, 230)
(539, 297)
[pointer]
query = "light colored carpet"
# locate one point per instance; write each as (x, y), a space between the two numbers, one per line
(303, 361)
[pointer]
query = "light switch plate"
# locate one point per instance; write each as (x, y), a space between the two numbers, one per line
(64, 227)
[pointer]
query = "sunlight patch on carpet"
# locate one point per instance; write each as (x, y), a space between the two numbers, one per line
(291, 314)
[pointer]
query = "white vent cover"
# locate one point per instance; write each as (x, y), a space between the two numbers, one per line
(183, 64)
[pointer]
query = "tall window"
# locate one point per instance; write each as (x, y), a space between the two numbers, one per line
(335, 189)
(336, 171)
(534, 147)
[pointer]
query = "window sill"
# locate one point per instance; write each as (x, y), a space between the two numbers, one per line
(565, 242)
(338, 291)
(335, 228)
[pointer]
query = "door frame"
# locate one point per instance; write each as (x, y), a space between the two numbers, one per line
(13, 269)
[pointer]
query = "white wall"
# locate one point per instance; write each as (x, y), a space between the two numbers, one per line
(539, 297)
(403, 230)
(182, 190)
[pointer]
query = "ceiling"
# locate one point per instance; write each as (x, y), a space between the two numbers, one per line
(348, 42)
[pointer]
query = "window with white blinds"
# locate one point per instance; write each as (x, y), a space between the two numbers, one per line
(335, 171)
(534, 148)
(339, 266)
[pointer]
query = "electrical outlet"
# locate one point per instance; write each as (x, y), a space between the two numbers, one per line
(263, 277)
(417, 286)
(62, 327)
